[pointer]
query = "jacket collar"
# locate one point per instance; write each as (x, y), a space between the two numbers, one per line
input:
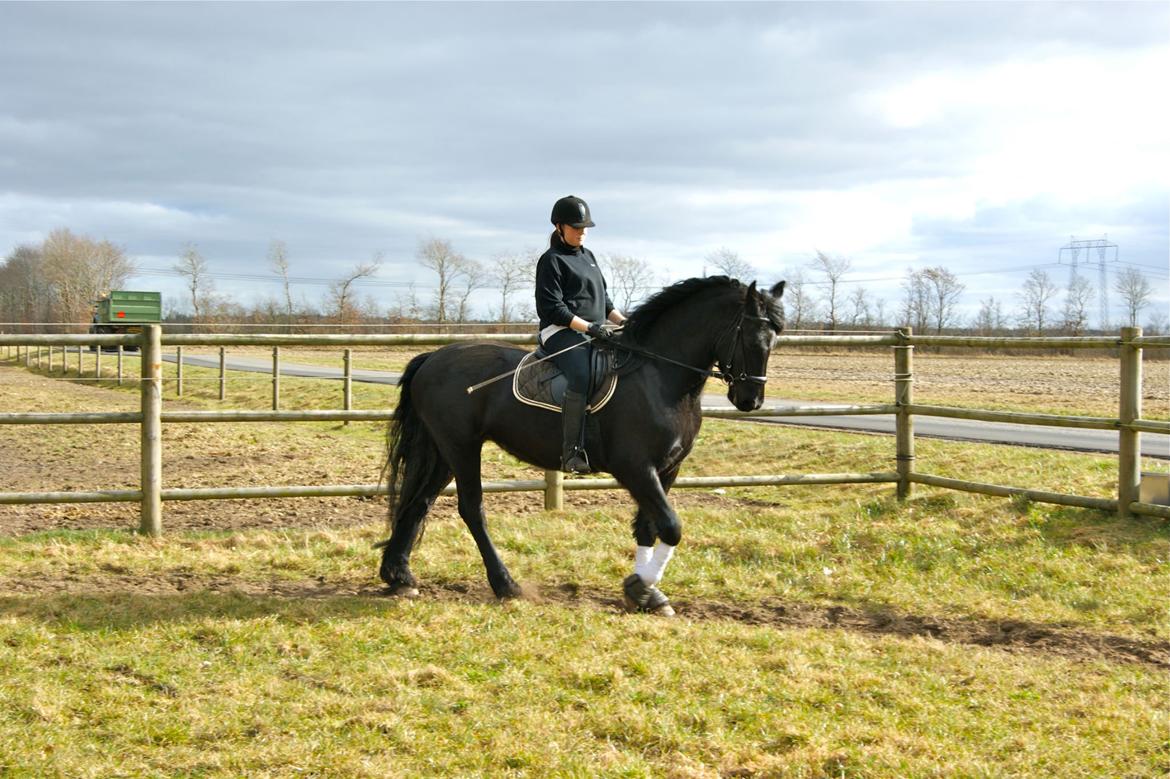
(560, 247)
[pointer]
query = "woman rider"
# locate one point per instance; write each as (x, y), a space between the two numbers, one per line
(572, 303)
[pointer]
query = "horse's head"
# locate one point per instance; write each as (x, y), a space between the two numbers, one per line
(743, 353)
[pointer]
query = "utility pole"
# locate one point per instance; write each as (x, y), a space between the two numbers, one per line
(1103, 246)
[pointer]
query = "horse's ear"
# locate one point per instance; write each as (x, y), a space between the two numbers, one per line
(751, 289)
(777, 290)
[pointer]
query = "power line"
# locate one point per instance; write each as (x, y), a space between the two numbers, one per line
(238, 276)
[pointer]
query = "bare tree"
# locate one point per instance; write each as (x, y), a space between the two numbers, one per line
(24, 292)
(200, 286)
(109, 265)
(1076, 306)
(990, 319)
(915, 301)
(1037, 292)
(1135, 293)
(78, 270)
(799, 306)
(728, 263)
(628, 277)
(1158, 323)
(342, 299)
(438, 255)
(407, 306)
(510, 273)
(834, 269)
(471, 276)
(943, 290)
(278, 260)
(860, 315)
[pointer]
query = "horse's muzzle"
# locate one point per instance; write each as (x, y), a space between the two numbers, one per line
(746, 398)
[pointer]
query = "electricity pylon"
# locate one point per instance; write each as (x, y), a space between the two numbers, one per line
(1103, 246)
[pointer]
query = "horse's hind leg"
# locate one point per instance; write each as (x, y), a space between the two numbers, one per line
(469, 487)
(408, 525)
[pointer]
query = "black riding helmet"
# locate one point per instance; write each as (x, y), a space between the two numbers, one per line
(573, 211)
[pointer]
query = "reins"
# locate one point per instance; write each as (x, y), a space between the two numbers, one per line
(722, 372)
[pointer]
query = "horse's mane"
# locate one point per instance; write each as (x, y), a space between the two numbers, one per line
(641, 320)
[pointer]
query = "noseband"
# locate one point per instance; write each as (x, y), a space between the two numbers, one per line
(726, 367)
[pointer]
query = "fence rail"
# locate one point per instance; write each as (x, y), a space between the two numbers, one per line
(151, 416)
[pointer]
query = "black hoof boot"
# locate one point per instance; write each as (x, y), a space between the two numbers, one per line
(645, 598)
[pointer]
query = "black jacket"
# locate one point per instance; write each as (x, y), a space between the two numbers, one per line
(569, 283)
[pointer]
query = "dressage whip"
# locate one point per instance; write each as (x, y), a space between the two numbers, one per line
(506, 374)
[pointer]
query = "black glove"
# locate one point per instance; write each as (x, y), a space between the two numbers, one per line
(597, 331)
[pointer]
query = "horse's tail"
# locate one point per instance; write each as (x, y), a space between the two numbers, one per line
(412, 459)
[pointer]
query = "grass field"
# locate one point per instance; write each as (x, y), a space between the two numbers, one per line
(823, 631)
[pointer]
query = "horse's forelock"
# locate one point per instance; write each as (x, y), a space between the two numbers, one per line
(772, 309)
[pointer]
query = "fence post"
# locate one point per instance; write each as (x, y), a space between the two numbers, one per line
(151, 394)
(222, 373)
(275, 378)
(554, 492)
(1129, 447)
(121, 351)
(903, 397)
(50, 370)
(179, 371)
(27, 355)
(97, 366)
(347, 382)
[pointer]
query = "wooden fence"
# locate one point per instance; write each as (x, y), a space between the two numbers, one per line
(151, 416)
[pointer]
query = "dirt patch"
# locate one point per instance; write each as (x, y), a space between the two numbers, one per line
(1008, 635)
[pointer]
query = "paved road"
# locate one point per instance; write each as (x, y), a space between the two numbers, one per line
(1153, 444)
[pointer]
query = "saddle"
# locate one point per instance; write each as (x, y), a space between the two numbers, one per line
(542, 384)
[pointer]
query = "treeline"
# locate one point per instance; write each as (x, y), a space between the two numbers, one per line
(57, 282)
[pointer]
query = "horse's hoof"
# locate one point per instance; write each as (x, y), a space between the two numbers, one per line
(663, 611)
(643, 598)
(509, 592)
(408, 591)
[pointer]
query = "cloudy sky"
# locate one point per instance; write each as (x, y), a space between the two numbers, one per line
(976, 136)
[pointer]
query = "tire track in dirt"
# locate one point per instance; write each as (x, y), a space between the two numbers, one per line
(1009, 635)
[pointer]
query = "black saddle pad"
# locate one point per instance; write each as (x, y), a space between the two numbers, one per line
(542, 384)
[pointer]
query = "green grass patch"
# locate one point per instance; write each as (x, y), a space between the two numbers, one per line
(267, 652)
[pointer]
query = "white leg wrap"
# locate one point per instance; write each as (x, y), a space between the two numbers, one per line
(642, 557)
(650, 564)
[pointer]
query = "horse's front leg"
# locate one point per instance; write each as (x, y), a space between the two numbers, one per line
(657, 531)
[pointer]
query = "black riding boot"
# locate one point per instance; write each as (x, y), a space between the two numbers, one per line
(573, 458)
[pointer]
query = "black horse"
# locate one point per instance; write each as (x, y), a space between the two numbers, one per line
(645, 431)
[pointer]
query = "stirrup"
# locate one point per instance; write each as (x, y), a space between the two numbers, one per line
(643, 597)
(576, 462)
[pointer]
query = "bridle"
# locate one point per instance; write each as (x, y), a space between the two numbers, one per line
(724, 367)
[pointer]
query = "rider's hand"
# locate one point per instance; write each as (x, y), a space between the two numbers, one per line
(597, 331)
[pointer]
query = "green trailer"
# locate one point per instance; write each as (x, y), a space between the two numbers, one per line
(125, 311)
